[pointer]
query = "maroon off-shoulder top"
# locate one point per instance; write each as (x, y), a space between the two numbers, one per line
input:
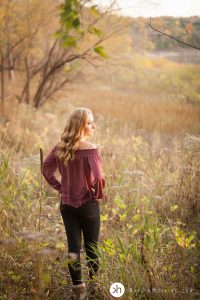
(81, 179)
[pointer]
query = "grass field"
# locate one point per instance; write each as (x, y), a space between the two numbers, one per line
(148, 124)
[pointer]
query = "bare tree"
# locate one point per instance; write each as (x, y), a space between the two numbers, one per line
(14, 36)
(49, 71)
(81, 31)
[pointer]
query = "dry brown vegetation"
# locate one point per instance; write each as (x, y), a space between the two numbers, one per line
(148, 124)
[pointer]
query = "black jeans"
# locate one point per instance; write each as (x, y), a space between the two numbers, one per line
(84, 219)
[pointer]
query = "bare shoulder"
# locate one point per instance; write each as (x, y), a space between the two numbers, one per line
(86, 145)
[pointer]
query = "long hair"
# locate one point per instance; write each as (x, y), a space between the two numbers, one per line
(71, 135)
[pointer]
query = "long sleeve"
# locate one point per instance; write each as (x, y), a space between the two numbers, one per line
(98, 182)
(49, 168)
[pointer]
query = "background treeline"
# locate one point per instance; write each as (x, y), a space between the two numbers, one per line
(186, 29)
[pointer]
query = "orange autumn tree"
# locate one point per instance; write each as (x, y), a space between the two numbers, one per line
(52, 38)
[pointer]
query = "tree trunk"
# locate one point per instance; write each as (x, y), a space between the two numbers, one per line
(10, 63)
(38, 96)
(27, 94)
(2, 78)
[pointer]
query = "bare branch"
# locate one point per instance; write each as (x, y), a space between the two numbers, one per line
(170, 36)
(90, 62)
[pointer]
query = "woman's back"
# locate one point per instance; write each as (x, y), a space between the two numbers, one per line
(84, 145)
(81, 179)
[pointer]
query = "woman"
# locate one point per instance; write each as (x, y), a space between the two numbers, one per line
(80, 188)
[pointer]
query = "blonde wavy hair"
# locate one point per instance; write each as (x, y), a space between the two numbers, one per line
(72, 134)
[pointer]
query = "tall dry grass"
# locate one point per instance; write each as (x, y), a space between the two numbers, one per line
(148, 135)
(150, 225)
(140, 110)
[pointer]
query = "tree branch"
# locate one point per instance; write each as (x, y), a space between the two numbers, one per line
(170, 36)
